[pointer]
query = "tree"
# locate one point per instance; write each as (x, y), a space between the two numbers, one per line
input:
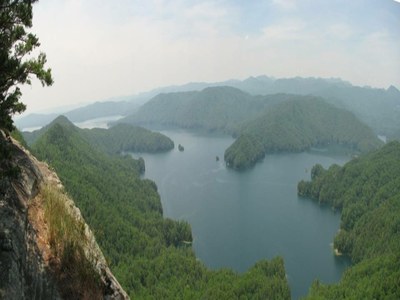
(17, 64)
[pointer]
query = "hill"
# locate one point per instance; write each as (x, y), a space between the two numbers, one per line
(150, 255)
(125, 137)
(378, 108)
(367, 191)
(212, 109)
(117, 139)
(297, 125)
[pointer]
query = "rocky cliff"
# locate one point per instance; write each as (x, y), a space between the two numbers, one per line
(31, 265)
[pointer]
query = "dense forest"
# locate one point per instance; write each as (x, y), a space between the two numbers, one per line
(297, 125)
(212, 109)
(125, 137)
(367, 191)
(263, 124)
(117, 139)
(149, 254)
(378, 108)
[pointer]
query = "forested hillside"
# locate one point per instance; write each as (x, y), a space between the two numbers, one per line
(119, 138)
(125, 137)
(212, 109)
(148, 254)
(378, 108)
(367, 191)
(297, 125)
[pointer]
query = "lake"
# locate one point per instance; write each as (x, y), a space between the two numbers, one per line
(238, 218)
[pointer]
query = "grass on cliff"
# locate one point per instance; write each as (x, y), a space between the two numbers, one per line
(75, 269)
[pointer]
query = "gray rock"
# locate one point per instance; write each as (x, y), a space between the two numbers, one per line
(23, 272)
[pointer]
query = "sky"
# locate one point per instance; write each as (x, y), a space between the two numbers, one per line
(99, 49)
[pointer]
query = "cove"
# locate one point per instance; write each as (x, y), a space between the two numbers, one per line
(238, 218)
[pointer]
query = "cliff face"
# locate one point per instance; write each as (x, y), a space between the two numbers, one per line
(28, 267)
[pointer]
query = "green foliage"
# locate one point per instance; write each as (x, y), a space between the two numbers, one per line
(16, 62)
(212, 109)
(375, 107)
(117, 139)
(124, 137)
(367, 190)
(376, 278)
(17, 135)
(297, 125)
(151, 256)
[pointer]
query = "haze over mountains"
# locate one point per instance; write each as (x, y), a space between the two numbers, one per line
(212, 109)
(117, 139)
(378, 108)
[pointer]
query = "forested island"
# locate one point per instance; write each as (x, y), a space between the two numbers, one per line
(367, 192)
(296, 125)
(144, 249)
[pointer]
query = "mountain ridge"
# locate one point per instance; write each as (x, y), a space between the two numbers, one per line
(377, 107)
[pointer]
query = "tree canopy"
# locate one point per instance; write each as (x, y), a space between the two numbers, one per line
(367, 191)
(150, 255)
(297, 125)
(17, 64)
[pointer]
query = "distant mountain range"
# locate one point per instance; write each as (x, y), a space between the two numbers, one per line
(379, 108)
(263, 124)
(88, 112)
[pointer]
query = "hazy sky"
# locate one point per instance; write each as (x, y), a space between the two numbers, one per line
(101, 48)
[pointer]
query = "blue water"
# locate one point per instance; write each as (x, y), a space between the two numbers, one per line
(238, 218)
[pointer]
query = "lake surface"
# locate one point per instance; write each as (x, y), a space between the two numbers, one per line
(238, 218)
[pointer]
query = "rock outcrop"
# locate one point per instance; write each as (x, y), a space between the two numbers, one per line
(26, 271)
